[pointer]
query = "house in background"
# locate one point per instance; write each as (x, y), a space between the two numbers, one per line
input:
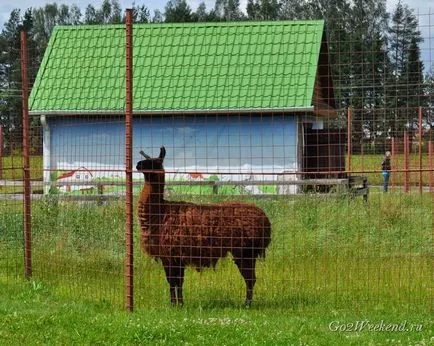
(232, 100)
(79, 175)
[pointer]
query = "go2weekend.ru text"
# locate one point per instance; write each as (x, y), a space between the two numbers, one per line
(370, 326)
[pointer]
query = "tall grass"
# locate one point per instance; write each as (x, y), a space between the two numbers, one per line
(340, 253)
(13, 167)
(364, 164)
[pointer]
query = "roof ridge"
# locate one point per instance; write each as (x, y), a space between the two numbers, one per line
(194, 24)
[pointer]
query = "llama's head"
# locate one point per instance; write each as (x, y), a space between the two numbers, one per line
(151, 165)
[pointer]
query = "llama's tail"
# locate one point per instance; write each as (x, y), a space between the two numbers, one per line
(265, 239)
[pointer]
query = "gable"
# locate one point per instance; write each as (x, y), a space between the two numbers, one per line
(324, 99)
(212, 67)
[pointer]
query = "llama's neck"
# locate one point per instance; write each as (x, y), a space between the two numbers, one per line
(151, 211)
(153, 190)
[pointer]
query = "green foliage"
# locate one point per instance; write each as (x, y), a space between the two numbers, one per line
(141, 14)
(228, 10)
(213, 178)
(375, 55)
(202, 15)
(109, 13)
(11, 226)
(10, 74)
(405, 79)
(263, 9)
(178, 11)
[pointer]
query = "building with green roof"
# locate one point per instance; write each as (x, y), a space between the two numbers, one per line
(232, 99)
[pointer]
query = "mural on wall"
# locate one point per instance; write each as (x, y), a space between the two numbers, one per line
(223, 147)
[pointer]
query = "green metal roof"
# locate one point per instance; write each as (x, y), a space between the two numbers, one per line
(181, 67)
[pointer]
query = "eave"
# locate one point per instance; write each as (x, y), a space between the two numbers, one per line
(289, 110)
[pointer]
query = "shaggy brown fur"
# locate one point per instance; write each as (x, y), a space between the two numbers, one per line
(187, 234)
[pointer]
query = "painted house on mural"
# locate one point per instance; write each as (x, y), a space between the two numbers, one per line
(79, 175)
(227, 100)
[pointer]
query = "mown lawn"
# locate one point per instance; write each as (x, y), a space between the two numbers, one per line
(331, 260)
(31, 314)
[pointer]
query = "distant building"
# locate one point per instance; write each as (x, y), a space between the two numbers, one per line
(236, 98)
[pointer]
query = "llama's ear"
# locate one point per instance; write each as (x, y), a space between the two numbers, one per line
(144, 155)
(162, 153)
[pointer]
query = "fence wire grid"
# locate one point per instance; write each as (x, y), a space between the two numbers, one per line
(328, 139)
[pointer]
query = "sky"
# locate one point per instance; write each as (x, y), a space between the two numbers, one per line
(424, 10)
(6, 6)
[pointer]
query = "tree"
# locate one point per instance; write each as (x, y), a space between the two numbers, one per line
(47, 17)
(202, 15)
(109, 13)
(10, 74)
(376, 64)
(10, 104)
(228, 10)
(177, 11)
(263, 9)
(141, 14)
(429, 99)
(74, 15)
(158, 17)
(253, 9)
(336, 14)
(367, 67)
(294, 9)
(90, 15)
(413, 72)
(405, 81)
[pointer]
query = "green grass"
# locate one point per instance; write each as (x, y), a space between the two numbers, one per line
(13, 167)
(324, 251)
(363, 164)
(330, 259)
(32, 314)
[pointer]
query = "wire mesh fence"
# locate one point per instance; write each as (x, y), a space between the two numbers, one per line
(260, 122)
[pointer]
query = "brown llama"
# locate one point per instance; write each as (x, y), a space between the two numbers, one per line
(184, 234)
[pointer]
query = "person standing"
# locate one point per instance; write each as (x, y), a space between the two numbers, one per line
(386, 167)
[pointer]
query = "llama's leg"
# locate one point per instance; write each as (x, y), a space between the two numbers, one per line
(171, 279)
(179, 284)
(246, 267)
(175, 277)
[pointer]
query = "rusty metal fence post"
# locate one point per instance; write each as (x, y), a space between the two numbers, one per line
(393, 151)
(420, 150)
(26, 160)
(349, 113)
(406, 162)
(1, 152)
(129, 241)
(431, 165)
